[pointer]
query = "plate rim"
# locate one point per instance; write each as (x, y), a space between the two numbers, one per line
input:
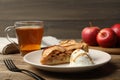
(68, 67)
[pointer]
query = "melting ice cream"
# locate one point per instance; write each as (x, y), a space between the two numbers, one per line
(80, 58)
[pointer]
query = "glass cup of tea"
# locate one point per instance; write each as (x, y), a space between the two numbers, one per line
(29, 35)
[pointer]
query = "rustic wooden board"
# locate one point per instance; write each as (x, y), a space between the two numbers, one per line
(110, 71)
(108, 50)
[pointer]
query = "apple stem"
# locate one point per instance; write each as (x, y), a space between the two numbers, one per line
(90, 23)
(103, 34)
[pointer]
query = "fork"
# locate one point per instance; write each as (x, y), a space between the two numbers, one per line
(12, 67)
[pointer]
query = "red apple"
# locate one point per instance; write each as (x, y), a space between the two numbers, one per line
(116, 29)
(106, 38)
(89, 34)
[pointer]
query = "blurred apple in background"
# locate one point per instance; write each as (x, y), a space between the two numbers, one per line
(89, 34)
(106, 38)
(116, 29)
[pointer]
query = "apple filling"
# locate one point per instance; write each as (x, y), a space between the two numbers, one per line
(59, 54)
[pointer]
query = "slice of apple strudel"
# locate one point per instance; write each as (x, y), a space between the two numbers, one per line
(59, 54)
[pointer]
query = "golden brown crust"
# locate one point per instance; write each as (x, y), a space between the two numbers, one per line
(67, 42)
(61, 53)
(50, 49)
(54, 55)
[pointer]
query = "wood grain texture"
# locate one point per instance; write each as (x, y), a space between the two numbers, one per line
(63, 18)
(59, 9)
(69, 29)
(109, 71)
(108, 50)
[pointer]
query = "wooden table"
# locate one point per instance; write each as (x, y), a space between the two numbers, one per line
(109, 71)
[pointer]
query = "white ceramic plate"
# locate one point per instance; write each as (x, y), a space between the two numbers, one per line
(99, 57)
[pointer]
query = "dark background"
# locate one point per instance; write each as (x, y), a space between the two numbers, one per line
(63, 18)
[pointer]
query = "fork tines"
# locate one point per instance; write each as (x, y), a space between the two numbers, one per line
(9, 64)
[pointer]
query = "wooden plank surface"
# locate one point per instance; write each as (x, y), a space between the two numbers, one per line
(63, 18)
(108, 50)
(59, 9)
(110, 71)
(62, 29)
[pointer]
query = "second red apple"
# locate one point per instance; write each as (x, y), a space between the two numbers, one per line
(106, 38)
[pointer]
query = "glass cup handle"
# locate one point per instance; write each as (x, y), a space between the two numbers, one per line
(7, 30)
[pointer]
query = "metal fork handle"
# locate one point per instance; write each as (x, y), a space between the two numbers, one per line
(33, 74)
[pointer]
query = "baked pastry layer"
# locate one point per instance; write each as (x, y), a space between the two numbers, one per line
(59, 54)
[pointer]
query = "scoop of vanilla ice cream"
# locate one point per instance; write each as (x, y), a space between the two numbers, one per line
(80, 58)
